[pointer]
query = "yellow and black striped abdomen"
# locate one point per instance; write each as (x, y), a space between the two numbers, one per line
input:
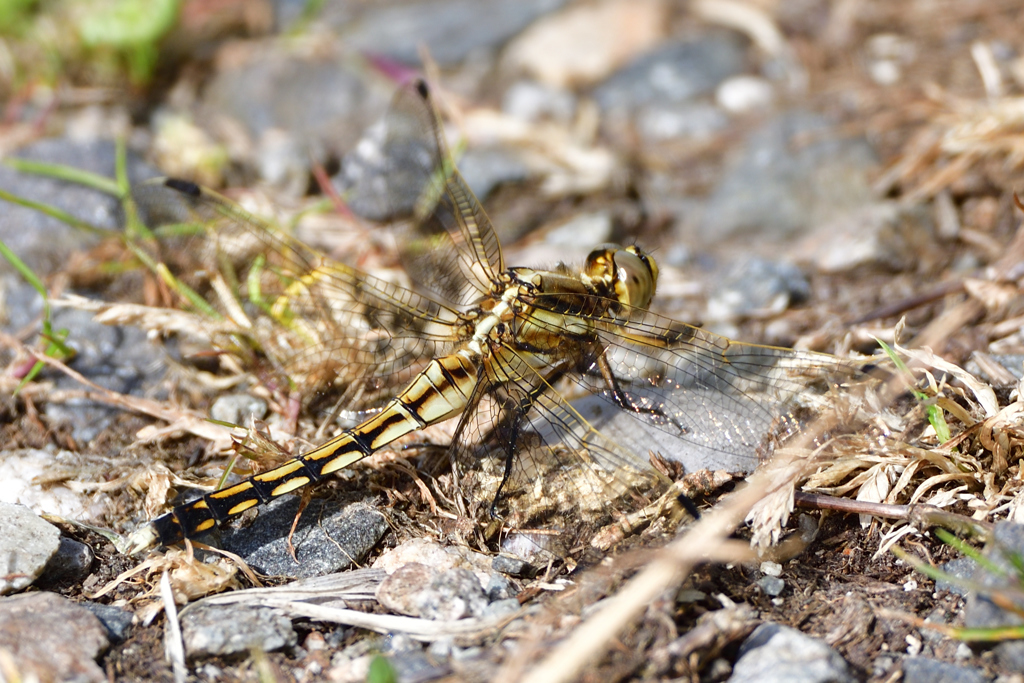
(439, 392)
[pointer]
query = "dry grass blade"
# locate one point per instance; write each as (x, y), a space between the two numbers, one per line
(358, 584)
(174, 645)
(326, 598)
(182, 420)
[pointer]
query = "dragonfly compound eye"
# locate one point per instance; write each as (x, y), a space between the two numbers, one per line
(636, 277)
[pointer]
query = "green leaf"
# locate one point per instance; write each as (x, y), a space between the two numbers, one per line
(381, 671)
(126, 24)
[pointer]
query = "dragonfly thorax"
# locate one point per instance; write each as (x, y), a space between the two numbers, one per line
(625, 274)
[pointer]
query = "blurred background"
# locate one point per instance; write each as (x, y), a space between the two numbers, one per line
(837, 155)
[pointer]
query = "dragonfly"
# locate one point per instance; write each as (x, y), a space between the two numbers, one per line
(561, 366)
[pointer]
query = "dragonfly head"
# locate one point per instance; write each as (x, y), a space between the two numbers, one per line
(628, 274)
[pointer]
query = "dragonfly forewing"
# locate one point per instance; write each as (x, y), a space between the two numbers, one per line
(446, 241)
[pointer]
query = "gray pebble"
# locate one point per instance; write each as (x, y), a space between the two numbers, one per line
(65, 638)
(27, 542)
(117, 621)
(209, 630)
(72, 562)
(926, 670)
(454, 594)
(513, 566)
(802, 183)
(237, 409)
(771, 585)
(451, 30)
(779, 654)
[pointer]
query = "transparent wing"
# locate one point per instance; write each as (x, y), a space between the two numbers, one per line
(446, 241)
(722, 404)
(527, 450)
(320, 321)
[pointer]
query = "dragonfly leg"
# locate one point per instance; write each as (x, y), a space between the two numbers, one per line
(509, 434)
(624, 401)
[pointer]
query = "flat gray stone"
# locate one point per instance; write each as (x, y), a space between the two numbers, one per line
(757, 286)
(926, 670)
(673, 73)
(330, 537)
(451, 29)
(421, 591)
(224, 630)
(27, 542)
(793, 173)
(454, 594)
(50, 638)
(325, 103)
(779, 654)
(117, 621)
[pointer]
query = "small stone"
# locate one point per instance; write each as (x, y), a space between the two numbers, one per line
(454, 594)
(771, 585)
(694, 121)
(927, 670)
(513, 566)
(238, 409)
(420, 591)
(769, 568)
(42, 241)
(399, 591)
(27, 542)
(435, 556)
(584, 43)
(501, 608)
(117, 622)
(674, 72)
(18, 472)
(210, 630)
(283, 163)
(885, 234)
(1006, 542)
(118, 358)
(64, 641)
(779, 654)
(71, 562)
(322, 100)
(532, 101)
(959, 568)
(451, 30)
(498, 588)
(804, 184)
(416, 665)
(743, 93)
(486, 168)
(757, 287)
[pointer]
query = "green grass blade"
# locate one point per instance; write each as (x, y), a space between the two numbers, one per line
(183, 290)
(67, 173)
(53, 212)
(57, 347)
